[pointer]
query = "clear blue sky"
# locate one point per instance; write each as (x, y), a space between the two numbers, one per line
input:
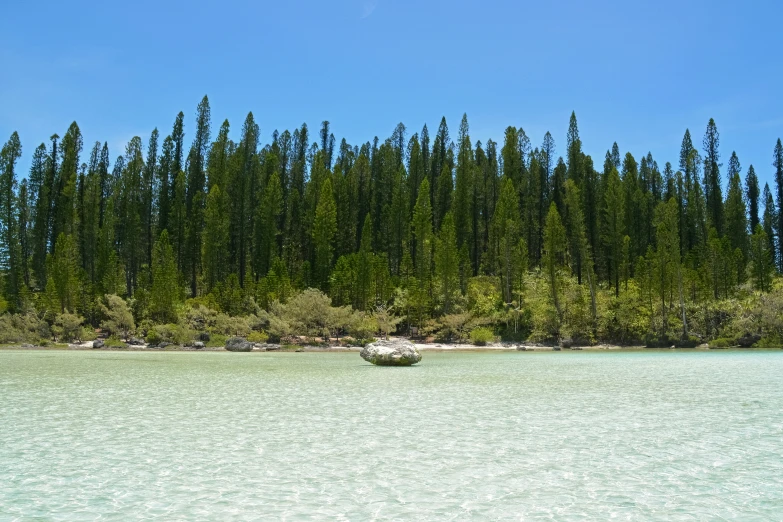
(638, 73)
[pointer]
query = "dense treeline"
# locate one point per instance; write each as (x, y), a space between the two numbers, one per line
(448, 235)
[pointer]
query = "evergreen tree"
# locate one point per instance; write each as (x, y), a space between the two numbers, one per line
(615, 156)
(421, 225)
(736, 228)
(667, 261)
(148, 195)
(770, 220)
(65, 184)
(558, 185)
(512, 159)
(166, 178)
(778, 164)
(10, 247)
(578, 244)
(445, 192)
(195, 197)
(130, 210)
(614, 226)
(24, 223)
(447, 264)
(752, 193)
(165, 291)
(178, 220)
(364, 270)
(463, 194)
(547, 160)
(505, 235)
(574, 153)
(712, 180)
(270, 212)
(554, 255)
(63, 285)
(215, 241)
(761, 261)
(324, 230)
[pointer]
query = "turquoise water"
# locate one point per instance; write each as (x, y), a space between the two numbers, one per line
(462, 436)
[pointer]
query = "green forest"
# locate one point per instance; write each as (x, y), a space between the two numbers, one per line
(442, 237)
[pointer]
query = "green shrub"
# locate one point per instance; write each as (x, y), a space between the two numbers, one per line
(364, 326)
(354, 341)
(118, 316)
(481, 336)
(113, 342)
(216, 341)
(23, 328)
(88, 334)
(227, 325)
(722, 342)
(67, 327)
(153, 336)
(258, 337)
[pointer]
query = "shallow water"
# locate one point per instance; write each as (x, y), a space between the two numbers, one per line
(462, 436)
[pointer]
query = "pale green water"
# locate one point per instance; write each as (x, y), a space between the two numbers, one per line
(462, 436)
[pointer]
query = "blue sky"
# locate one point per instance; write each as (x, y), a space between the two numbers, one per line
(638, 73)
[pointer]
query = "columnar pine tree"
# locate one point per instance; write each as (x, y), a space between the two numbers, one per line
(770, 220)
(447, 264)
(10, 247)
(324, 231)
(214, 257)
(195, 197)
(736, 227)
(712, 180)
(752, 193)
(165, 291)
(778, 164)
(554, 256)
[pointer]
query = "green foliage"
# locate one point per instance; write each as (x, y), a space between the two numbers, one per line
(118, 319)
(722, 342)
(67, 326)
(481, 336)
(257, 337)
(447, 236)
(166, 291)
(23, 328)
(483, 296)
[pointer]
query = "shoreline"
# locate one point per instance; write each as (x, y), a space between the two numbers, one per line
(422, 347)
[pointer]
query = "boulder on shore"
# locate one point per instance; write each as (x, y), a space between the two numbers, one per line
(238, 344)
(391, 353)
(748, 340)
(98, 343)
(198, 345)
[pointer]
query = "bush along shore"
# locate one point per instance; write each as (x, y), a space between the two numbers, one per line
(308, 321)
(301, 240)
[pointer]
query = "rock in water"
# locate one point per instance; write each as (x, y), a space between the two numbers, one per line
(391, 353)
(237, 344)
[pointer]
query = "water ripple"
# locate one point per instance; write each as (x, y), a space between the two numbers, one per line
(463, 436)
